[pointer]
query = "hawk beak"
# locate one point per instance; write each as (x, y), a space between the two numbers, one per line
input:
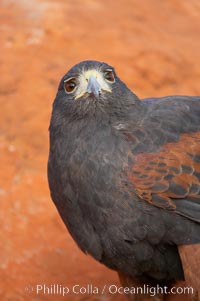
(93, 86)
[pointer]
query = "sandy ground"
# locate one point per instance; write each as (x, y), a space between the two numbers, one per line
(155, 48)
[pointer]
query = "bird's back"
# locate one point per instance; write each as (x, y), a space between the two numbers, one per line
(165, 156)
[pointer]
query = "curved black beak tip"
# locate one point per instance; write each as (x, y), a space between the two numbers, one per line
(93, 86)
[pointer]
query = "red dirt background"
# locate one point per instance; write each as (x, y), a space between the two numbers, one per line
(155, 48)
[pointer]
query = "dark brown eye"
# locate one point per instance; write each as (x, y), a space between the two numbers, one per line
(109, 75)
(70, 85)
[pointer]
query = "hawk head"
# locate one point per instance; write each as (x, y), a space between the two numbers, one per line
(91, 87)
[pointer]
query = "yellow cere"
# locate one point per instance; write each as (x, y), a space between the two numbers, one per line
(83, 82)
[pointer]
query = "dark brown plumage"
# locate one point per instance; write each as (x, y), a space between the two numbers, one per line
(124, 174)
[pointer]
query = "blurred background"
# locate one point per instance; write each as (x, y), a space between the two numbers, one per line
(155, 48)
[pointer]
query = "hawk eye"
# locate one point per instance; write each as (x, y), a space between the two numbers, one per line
(70, 85)
(109, 75)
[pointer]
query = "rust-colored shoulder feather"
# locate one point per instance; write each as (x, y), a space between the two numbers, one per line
(170, 178)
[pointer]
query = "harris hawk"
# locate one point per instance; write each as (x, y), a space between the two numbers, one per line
(124, 175)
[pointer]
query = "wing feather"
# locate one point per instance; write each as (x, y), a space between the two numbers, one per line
(170, 178)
